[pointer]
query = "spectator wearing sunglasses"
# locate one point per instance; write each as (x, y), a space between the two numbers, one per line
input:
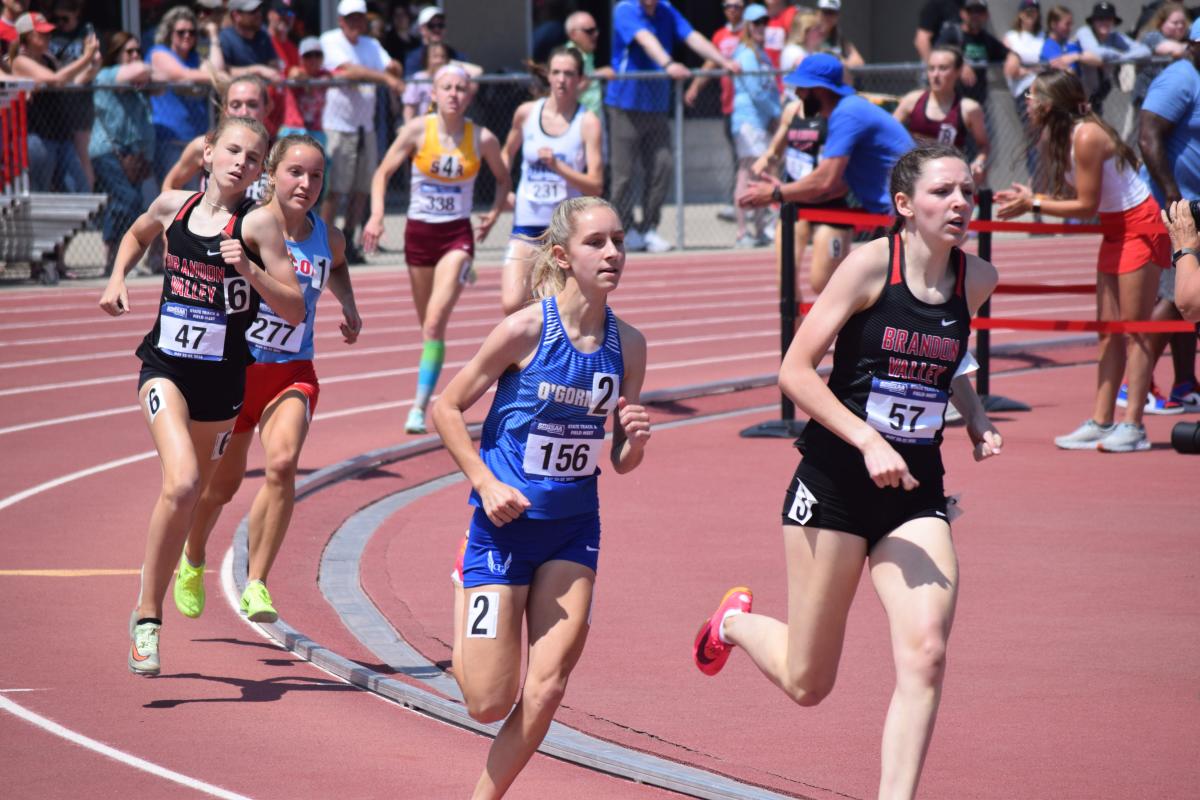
(582, 35)
(431, 22)
(246, 45)
(66, 45)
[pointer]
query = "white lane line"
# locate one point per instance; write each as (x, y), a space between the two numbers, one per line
(49, 387)
(13, 499)
(390, 373)
(50, 726)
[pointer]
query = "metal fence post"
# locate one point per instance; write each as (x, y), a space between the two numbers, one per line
(983, 338)
(678, 137)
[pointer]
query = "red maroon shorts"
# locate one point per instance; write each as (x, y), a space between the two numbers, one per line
(1124, 250)
(266, 382)
(426, 242)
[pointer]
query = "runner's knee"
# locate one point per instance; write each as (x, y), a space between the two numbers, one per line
(808, 690)
(281, 468)
(492, 707)
(922, 660)
(544, 694)
(181, 489)
(221, 490)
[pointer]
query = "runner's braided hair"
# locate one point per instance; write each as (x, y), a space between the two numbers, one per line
(547, 278)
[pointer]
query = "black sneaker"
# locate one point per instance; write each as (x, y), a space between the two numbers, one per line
(354, 255)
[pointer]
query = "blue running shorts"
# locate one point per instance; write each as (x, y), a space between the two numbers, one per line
(510, 554)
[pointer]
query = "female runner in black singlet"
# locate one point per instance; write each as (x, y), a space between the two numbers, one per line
(220, 260)
(869, 487)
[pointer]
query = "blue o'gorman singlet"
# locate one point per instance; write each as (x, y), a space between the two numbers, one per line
(272, 339)
(545, 430)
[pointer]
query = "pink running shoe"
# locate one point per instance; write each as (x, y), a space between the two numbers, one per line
(456, 574)
(710, 652)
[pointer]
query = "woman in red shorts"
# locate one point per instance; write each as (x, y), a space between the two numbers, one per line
(446, 150)
(281, 385)
(1085, 154)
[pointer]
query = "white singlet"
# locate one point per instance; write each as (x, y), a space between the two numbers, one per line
(1121, 188)
(540, 189)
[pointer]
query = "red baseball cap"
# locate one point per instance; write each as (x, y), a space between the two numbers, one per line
(33, 21)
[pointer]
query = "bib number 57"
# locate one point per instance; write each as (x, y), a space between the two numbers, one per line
(905, 416)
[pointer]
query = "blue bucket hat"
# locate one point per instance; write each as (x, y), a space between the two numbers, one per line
(819, 69)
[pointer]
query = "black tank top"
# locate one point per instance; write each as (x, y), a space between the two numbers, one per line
(893, 364)
(206, 306)
(951, 130)
(805, 136)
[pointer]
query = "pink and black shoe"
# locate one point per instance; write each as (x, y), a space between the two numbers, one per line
(709, 651)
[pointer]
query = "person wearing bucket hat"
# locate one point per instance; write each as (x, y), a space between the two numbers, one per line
(1101, 37)
(862, 144)
(1167, 121)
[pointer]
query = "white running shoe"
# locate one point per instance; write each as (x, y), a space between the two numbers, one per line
(745, 241)
(1085, 437)
(416, 421)
(1125, 438)
(634, 241)
(654, 242)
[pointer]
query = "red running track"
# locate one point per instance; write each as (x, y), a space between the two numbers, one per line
(1074, 656)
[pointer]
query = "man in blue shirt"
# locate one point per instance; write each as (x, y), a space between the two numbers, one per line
(862, 145)
(1169, 137)
(644, 34)
(246, 45)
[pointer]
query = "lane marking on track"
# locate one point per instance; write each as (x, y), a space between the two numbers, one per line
(50, 726)
(13, 499)
(15, 691)
(65, 573)
(358, 376)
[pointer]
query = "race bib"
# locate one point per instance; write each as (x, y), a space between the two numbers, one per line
(906, 412)
(540, 185)
(237, 295)
(947, 134)
(606, 388)
(272, 333)
(442, 201)
(190, 332)
(798, 163)
(563, 449)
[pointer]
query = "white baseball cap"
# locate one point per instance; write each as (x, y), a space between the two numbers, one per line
(428, 13)
(348, 7)
(310, 44)
(829, 5)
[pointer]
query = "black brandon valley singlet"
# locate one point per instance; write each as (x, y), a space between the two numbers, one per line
(893, 364)
(206, 305)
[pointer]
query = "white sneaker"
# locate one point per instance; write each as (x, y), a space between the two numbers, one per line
(654, 242)
(416, 421)
(1125, 438)
(1085, 437)
(634, 241)
(727, 213)
(745, 241)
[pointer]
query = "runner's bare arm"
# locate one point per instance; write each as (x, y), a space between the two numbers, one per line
(401, 149)
(339, 284)
(190, 162)
(631, 423)
(149, 224)
(510, 344)
(516, 136)
(489, 147)
(276, 283)
(855, 285)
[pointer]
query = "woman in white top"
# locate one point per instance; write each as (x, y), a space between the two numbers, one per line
(1086, 158)
(558, 142)
(447, 151)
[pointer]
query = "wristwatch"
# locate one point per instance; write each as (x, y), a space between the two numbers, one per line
(1184, 251)
(777, 194)
(1036, 204)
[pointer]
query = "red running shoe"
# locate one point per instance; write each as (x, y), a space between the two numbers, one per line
(456, 574)
(710, 652)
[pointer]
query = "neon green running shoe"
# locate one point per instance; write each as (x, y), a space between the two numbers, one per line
(256, 603)
(189, 588)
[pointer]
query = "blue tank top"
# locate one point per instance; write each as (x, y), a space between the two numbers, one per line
(272, 340)
(545, 430)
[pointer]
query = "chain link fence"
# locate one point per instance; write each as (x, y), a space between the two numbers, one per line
(699, 190)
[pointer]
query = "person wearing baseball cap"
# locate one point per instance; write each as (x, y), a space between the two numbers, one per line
(829, 12)
(431, 24)
(1101, 37)
(348, 118)
(862, 144)
(246, 45)
(1167, 120)
(304, 106)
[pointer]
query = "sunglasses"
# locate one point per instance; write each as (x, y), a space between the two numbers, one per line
(436, 26)
(133, 51)
(739, 6)
(762, 22)
(184, 33)
(589, 31)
